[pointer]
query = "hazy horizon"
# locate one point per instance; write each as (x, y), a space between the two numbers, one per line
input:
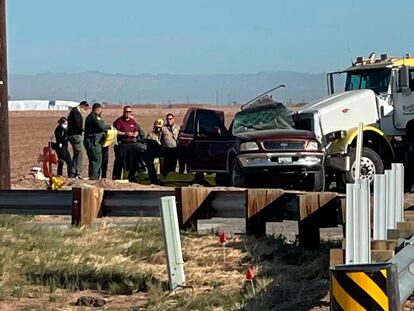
(166, 88)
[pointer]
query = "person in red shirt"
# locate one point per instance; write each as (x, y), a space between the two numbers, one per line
(128, 152)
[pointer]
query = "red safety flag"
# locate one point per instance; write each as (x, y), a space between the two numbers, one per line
(223, 237)
(249, 274)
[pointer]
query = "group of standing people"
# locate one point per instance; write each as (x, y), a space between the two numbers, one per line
(134, 151)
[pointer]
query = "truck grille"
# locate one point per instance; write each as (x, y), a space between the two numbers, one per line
(283, 145)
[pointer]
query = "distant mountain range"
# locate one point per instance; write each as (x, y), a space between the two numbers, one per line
(166, 88)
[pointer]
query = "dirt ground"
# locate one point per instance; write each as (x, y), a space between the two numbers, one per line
(30, 131)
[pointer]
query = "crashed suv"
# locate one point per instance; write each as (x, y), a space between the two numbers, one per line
(261, 147)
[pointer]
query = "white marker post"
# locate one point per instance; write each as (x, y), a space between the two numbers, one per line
(172, 242)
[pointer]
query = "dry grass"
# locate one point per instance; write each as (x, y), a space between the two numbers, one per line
(110, 261)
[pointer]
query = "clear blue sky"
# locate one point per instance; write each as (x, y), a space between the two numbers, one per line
(202, 36)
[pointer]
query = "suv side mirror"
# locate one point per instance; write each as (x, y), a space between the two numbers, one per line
(404, 81)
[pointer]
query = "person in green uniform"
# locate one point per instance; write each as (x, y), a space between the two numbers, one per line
(95, 130)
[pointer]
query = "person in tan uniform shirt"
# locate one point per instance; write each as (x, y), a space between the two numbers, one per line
(169, 137)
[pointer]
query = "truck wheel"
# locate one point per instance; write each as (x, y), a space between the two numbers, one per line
(237, 177)
(371, 163)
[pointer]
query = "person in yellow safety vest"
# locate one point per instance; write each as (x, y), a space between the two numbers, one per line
(154, 150)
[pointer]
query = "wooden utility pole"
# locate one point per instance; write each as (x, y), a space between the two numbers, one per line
(4, 105)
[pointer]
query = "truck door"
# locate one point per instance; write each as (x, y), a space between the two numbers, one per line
(404, 99)
(211, 142)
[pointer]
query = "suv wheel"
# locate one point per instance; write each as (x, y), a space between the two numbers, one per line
(237, 177)
(319, 180)
(222, 179)
(371, 163)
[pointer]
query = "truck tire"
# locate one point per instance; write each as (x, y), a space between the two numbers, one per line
(371, 163)
(237, 177)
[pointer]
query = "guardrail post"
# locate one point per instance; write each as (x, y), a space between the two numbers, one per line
(390, 177)
(380, 213)
(172, 242)
(364, 223)
(399, 191)
(86, 204)
(349, 224)
(261, 208)
(358, 225)
(194, 203)
(404, 260)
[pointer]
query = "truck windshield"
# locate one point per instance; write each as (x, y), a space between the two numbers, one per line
(274, 117)
(374, 79)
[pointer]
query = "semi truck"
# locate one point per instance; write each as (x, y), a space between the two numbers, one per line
(379, 92)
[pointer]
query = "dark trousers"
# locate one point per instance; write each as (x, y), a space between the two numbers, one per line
(64, 157)
(105, 159)
(170, 160)
(118, 163)
(181, 162)
(76, 142)
(129, 158)
(154, 150)
(94, 151)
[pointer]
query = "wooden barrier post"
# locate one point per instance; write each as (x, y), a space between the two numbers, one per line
(193, 203)
(86, 204)
(260, 209)
(316, 211)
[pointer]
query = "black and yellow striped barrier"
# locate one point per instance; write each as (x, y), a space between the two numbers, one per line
(364, 287)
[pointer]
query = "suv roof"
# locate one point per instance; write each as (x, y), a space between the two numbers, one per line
(264, 101)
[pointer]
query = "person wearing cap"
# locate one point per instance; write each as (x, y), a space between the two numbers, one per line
(95, 130)
(61, 147)
(131, 145)
(75, 130)
(154, 150)
(155, 134)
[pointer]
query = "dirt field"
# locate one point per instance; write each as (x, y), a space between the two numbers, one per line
(31, 130)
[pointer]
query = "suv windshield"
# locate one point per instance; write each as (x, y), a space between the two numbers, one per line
(265, 118)
(375, 79)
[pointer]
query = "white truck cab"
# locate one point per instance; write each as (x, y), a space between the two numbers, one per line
(379, 93)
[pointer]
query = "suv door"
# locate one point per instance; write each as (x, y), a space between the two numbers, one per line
(211, 142)
(186, 137)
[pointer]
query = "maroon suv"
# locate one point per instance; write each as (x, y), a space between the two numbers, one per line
(260, 147)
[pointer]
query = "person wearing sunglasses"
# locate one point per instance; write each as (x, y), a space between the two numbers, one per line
(130, 147)
(169, 137)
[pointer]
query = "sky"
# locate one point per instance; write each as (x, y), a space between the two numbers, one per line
(202, 36)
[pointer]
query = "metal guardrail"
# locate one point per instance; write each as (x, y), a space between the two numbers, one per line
(387, 212)
(35, 202)
(117, 203)
(257, 207)
(404, 260)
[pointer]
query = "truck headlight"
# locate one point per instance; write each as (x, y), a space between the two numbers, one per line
(335, 135)
(249, 146)
(312, 145)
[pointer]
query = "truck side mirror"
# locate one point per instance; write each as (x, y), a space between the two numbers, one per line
(404, 81)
